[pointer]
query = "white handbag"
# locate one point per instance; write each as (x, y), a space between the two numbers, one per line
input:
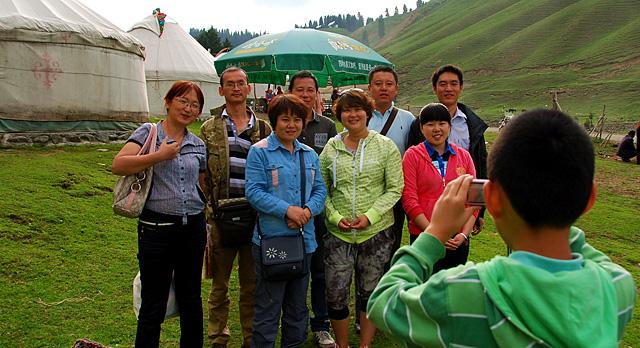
(172, 305)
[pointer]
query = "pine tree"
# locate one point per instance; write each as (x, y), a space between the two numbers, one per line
(227, 43)
(404, 8)
(396, 12)
(386, 12)
(210, 40)
(380, 26)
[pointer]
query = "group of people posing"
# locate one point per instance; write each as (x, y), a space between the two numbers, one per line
(346, 192)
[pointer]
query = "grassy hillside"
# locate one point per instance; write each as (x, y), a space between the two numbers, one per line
(515, 51)
(393, 26)
(341, 31)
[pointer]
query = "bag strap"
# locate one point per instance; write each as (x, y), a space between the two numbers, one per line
(303, 179)
(389, 122)
(149, 145)
(262, 129)
(303, 184)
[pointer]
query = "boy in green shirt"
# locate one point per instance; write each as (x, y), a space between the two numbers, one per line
(554, 290)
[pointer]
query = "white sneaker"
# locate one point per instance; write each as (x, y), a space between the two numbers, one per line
(323, 339)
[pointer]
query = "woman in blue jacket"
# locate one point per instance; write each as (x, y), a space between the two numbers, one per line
(273, 189)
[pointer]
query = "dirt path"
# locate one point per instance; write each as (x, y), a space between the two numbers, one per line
(614, 137)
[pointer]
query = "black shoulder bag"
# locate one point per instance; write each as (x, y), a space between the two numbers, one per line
(282, 257)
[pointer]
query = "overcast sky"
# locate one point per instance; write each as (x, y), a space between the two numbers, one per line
(273, 16)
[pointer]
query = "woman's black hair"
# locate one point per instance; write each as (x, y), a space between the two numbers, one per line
(434, 112)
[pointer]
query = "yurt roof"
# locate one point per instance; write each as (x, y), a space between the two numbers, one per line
(173, 54)
(62, 21)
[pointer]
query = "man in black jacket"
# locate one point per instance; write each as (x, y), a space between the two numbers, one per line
(467, 129)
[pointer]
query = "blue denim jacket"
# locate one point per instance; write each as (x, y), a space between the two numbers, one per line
(273, 184)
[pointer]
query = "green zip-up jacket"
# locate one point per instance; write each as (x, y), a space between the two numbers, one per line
(368, 182)
(504, 302)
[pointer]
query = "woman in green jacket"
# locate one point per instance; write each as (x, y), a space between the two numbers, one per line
(363, 174)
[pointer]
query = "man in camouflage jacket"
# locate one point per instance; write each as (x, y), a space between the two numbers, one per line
(229, 134)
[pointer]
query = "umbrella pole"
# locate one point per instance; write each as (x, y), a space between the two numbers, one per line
(255, 98)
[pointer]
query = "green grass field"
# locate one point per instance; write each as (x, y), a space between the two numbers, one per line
(67, 262)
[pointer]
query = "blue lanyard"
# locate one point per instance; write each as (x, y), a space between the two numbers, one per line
(441, 164)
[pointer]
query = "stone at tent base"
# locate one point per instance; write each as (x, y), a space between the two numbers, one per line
(68, 138)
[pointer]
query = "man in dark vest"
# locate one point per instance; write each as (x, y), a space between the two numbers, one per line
(318, 130)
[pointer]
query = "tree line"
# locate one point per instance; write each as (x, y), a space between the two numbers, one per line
(349, 22)
(215, 40)
(353, 22)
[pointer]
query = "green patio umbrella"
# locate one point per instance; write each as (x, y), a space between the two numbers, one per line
(270, 58)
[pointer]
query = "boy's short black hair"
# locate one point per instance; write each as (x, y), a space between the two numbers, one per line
(287, 104)
(446, 68)
(383, 68)
(434, 112)
(632, 133)
(545, 163)
(302, 74)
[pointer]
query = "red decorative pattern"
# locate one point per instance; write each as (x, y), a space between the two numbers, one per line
(46, 70)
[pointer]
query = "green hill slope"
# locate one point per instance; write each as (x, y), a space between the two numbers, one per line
(513, 52)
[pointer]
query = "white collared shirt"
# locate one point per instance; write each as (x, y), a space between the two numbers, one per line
(459, 130)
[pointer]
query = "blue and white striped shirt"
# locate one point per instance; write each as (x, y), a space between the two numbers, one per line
(176, 189)
(239, 144)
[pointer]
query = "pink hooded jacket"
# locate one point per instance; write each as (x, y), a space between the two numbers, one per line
(423, 183)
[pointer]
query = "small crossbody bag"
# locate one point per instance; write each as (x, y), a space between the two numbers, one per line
(235, 219)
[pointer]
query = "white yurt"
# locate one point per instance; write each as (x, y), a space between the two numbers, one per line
(67, 74)
(172, 54)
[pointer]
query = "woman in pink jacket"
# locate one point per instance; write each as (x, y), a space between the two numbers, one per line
(427, 168)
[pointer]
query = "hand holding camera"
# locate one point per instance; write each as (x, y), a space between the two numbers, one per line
(452, 209)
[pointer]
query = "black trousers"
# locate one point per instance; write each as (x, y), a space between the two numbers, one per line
(398, 227)
(166, 247)
(320, 319)
(451, 259)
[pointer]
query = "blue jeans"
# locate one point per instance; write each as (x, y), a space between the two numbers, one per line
(320, 319)
(276, 299)
(164, 250)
